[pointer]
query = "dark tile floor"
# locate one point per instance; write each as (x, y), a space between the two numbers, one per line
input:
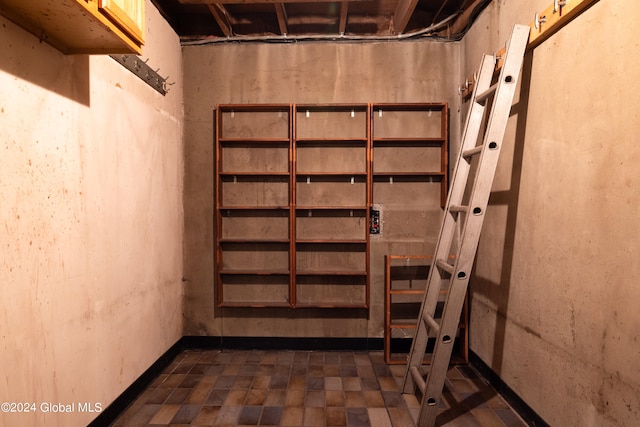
(304, 388)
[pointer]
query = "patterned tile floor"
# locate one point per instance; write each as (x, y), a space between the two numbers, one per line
(304, 388)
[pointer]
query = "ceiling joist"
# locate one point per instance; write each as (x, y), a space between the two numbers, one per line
(281, 13)
(343, 16)
(222, 18)
(226, 20)
(402, 14)
(207, 2)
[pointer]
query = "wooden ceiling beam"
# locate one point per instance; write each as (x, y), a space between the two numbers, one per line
(402, 14)
(207, 2)
(463, 20)
(437, 14)
(344, 8)
(222, 18)
(281, 12)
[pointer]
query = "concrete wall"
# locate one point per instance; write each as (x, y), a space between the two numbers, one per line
(555, 292)
(298, 73)
(91, 219)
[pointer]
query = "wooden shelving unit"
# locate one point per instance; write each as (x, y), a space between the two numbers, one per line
(253, 205)
(411, 144)
(332, 198)
(405, 281)
(294, 189)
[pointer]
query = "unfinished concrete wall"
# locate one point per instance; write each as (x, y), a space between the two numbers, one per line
(91, 218)
(301, 73)
(556, 283)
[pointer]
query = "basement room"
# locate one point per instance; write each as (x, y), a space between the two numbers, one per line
(385, 213)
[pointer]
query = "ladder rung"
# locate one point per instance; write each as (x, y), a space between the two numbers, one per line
(458, 208)
(486, 94)
(417, 378)
(472, 152)
(443, 265)
(431, 322)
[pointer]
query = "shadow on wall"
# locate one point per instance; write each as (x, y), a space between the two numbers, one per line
(500, 291)
(27, 58)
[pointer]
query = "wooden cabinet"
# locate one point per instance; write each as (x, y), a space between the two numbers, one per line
(127, 15)
(82, 26)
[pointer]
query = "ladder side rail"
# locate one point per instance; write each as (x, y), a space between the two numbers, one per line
(469, 137)
(462, 167)
(448, 225)
(492, 143)
(496, 128)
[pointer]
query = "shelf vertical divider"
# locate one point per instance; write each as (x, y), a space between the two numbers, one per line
(444, 153)
(369, 166)
(218, 203)
(292, 206)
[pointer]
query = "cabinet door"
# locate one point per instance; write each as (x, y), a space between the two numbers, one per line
(127, 14)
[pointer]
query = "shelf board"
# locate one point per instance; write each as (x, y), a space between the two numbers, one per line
(323, 176)
(413, 142)
(331, 242)
(397, 173)
(254, 273)
(250, 108)
(331, 273)
(427, 257)
(406, 292)
(331, 142)
(254, 304)
(254, 141)
(328, 304)
(402, 326)
(331, 208)
(245, 174)
(411, 292)
(391, 177)
(332, 107)
(416, 106)
(274, 241)
(253, 208)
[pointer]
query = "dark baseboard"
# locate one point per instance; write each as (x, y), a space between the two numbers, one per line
(520, 406)
(111, 412)
(284, 343)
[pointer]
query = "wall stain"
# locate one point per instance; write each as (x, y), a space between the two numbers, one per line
(528, 330)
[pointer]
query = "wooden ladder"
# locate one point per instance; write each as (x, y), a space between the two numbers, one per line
(465, 208)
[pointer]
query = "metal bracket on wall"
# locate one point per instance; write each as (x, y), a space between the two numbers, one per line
(141, 69)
